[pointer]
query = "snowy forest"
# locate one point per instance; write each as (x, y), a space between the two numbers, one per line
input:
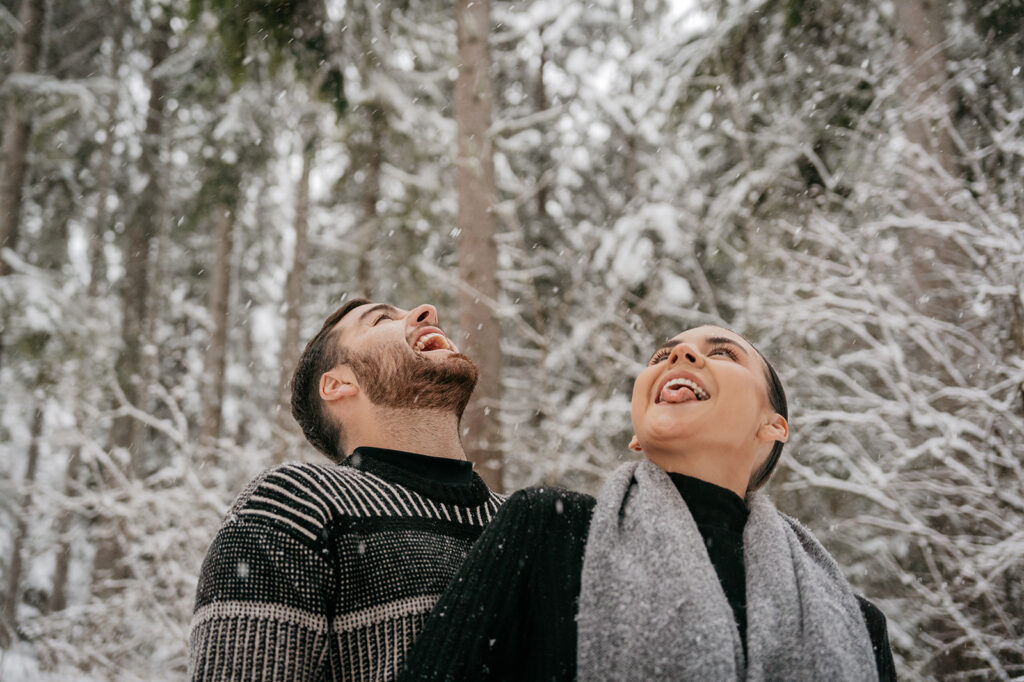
(189, 187)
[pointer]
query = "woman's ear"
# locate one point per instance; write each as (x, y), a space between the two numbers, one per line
(634, 444)
(338, 383)
(776, 428)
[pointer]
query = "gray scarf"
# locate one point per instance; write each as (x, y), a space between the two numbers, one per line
(651, 606)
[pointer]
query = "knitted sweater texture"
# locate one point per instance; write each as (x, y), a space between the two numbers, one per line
(510, 612)
(329, 572)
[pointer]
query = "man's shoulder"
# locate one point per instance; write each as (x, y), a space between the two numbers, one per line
(300, 495)
(320, 494)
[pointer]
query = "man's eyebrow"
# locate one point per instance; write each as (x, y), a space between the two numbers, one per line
(372, 309)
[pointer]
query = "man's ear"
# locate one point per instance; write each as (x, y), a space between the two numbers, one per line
(338, 383)
(634, 444)
(776, 428)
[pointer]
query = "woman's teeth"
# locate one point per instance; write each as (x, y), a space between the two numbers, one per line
(672, 392)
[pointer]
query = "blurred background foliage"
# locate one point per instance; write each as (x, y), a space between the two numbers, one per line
(189, 188)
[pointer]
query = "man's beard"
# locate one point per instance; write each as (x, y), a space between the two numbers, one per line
(401, 380)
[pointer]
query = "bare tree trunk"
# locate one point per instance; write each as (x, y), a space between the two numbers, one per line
(58, 595)
(16, 131)
(17, 126)
(540, 96)
(97, 259)
(477, 222)
(931, 156)
(216, 352)
(293, 295)
(371, 196)
(14, 570)
(920, 23)
(141, 229)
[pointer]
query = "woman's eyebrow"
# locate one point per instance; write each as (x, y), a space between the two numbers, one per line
(719, 340)
(709, 341)
(671, 343)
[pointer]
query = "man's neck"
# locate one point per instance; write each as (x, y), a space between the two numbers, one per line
(426, 432)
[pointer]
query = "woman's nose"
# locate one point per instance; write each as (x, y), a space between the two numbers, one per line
(685, 353)
(423, 314)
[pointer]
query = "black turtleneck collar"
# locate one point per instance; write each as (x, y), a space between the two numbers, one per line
(440, 478)
(712, 505)
(720, 515)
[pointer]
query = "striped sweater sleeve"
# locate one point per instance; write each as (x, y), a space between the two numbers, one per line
(262, 608)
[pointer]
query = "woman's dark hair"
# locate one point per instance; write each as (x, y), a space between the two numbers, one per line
(777, 399)
(322, 354)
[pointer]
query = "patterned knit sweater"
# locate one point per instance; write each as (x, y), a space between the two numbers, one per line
(329, 572)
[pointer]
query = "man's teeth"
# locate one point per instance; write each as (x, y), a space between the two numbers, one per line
(686, 383)
(433, 341)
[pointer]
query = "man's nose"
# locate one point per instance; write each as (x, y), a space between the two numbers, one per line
(423, 314)
(685, 353)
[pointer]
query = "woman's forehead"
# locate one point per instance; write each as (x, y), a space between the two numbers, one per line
(707, 332)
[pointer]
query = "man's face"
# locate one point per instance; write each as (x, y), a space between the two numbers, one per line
(704, 389)
(403, 359)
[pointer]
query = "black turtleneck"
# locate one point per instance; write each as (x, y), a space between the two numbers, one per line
(437, 469)
(515, 599)
(721, 515)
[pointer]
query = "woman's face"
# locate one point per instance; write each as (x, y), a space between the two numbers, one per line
(704, 391)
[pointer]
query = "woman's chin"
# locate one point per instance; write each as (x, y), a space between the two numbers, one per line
(669, 430)
(667, 441)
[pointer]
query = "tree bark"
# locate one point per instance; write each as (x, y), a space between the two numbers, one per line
(477, 250)
(17, 130)
(12, 594)
(540, 96)
(142, 228)
(18, 127)
(374, 157)
(921, 26)
(293, 301)
(104, 172)
(931, 159)
(97, 274)
(216, 351)
(58, 595)
(97, 259)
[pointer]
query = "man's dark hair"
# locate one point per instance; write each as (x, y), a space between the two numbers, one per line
(777, 399)
(321, 354)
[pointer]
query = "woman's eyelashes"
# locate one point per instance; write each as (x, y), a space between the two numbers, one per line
(723, 350)
(659, 355)
(663, 353)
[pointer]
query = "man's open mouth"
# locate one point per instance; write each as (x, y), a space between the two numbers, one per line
(680, 390)
(431, 339)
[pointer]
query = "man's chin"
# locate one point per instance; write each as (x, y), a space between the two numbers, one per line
(461, 364)
(450, 359)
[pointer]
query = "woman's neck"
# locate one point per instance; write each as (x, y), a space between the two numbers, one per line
(726, 472)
